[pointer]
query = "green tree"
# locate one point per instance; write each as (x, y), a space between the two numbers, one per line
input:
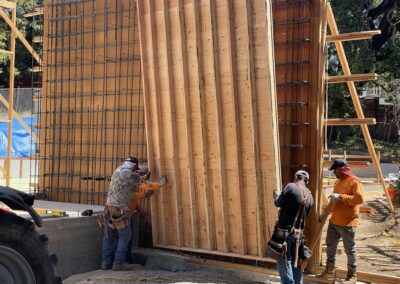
(352, 16)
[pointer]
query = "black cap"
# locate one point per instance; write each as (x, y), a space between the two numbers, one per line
(338, 163)
(132, 160)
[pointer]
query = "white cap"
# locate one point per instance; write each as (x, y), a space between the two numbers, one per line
(302, 174)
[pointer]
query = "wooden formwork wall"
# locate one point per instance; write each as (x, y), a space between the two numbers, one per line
(91, 115)
(209, 87)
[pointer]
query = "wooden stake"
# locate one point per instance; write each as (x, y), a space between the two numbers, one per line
(10, 97)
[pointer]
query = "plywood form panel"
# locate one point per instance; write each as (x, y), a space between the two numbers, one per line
(209, 92)
(92, 114)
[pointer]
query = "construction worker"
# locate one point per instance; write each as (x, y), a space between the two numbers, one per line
(140, 192)
(346, 198)
(295, 202)
(116, 219)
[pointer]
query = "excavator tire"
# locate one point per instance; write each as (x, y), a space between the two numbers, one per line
(24, 257)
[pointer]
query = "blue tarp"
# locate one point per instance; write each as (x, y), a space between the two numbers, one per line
(22, 144)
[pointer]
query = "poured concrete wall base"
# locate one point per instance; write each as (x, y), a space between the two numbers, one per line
(77, 243)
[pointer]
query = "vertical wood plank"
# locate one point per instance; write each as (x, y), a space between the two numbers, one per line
(255, 139)
(147, 110)
(236, 117)
(185, 70)
(220, 139)
(170, 88)
(157, 113)
(207, 186)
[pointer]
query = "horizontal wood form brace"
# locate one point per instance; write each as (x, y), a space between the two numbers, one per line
(349, 121)
(365, 276)
(350, 156)
(351, 78)
(352, 36)
(349, 163)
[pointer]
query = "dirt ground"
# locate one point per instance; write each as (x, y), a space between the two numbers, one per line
(170, 268)
(377, 237)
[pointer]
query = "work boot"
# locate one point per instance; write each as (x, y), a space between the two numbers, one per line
(106, 266)
(351, 277)
(329, 273)
(125, 266)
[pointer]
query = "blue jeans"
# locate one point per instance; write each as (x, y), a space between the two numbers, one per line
(287, 272)
(115, 244)
(347, 234)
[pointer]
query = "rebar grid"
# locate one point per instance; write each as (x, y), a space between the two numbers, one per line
(292, 31)
(91, 115)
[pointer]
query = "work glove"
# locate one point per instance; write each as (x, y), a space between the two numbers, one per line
(334, 197)
(162, 180)
(276, 194)
(146, 176)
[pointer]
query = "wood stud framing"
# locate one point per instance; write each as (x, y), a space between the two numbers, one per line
(214, 95)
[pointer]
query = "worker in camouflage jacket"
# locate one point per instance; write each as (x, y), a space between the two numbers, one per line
(125, 182)
(347, 196)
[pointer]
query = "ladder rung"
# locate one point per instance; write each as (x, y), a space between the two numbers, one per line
(38, 11)
(37, 69)
(350, 121)
(5, 51)
(38, 39)
(353, 77)
(352, 36)
(8, 4)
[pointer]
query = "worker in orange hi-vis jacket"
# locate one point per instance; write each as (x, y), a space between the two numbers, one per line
(347, 196)
(125, 184)
(144, 190)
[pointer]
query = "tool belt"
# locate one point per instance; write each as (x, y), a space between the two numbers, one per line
(113, 217)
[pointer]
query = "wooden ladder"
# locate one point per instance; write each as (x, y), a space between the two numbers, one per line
(349, 78)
